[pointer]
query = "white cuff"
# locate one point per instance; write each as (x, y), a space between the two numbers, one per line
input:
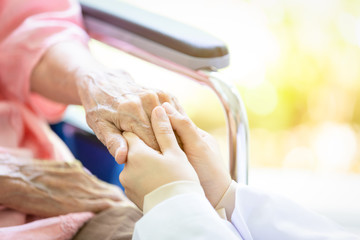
(227, 202)
(168, 191)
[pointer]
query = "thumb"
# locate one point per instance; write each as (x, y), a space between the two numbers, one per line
(182, 125)
(111, 137)
(134, 142)
(163, 131)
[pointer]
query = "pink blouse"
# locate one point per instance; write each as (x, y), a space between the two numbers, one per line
(27, 29)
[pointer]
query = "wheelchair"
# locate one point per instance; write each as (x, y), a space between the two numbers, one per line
(171, 45)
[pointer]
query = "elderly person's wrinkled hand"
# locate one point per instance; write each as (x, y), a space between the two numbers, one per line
(50, 188)
(115, 103)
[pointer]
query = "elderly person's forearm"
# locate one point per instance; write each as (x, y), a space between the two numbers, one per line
(49, 188)
(55, 75)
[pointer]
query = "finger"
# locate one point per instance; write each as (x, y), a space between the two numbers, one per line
(111, 137)
(135, 144)
(165, 97)
(106, 190)
(182, 125)
(95, 204)
(131, 117)
(147, 135)
(163, 131)
(149, 100)
(177, 106)
(141, 126)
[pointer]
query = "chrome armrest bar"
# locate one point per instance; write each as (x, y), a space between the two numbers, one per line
(237, 125)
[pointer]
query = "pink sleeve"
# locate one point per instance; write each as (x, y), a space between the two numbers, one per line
(27, 29)
(53, 228)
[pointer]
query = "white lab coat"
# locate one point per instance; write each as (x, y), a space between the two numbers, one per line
(257, 216)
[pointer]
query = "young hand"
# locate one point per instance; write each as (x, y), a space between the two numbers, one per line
(147, 169)
(203, 154)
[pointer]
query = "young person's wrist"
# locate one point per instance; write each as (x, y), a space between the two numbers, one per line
(227, 200)
(219, 187)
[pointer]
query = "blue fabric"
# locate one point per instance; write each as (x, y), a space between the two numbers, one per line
(90, 151)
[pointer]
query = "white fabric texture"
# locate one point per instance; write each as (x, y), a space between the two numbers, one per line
(185, 216)
(269, 216)
(256, 216)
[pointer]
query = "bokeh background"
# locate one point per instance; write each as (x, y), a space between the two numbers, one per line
(296, 64)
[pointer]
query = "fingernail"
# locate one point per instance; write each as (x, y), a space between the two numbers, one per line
(168, 108)
(160, 113)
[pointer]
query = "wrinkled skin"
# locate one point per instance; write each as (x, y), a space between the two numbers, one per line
(50, 188)
(114, 104)
(68, 73)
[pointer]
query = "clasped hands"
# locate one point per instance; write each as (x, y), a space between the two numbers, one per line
(116, 105)
(147, 169)
(139, 124)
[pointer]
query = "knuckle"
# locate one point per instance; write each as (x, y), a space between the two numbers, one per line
(131, 105)
(95, 117)
(151, 94)
(164, 96)
(135, 104)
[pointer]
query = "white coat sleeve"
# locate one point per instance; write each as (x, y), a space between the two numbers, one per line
(269, 216)
(188, 217)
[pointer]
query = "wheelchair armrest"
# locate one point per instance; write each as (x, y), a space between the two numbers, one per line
(155, 34)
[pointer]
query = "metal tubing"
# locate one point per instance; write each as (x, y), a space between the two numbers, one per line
(233, 106)
(237, 126)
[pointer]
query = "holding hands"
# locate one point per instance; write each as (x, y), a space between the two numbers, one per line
(114, 103)
(147, 169)
(203, 154)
